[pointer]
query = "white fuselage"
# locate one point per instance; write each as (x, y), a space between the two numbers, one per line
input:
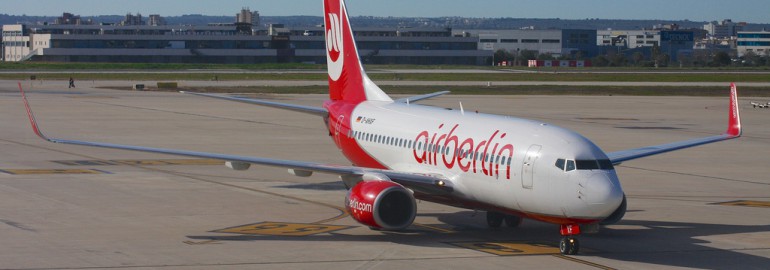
(503, 163)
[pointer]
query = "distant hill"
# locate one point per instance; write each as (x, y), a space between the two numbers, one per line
(368, 21)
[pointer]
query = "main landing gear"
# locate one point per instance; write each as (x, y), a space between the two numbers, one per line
(569, 245)
(495, 220)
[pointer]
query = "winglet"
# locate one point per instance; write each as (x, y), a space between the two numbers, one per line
(734, 126)
(31, 115)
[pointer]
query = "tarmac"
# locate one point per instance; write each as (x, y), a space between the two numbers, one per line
(71, 207)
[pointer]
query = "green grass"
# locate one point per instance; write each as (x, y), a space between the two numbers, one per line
(542, 77)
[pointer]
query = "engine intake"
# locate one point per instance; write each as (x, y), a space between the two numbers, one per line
(381, 204)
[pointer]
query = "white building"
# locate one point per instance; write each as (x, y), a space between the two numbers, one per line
(542, 41)
(755, 42)
(15, 43)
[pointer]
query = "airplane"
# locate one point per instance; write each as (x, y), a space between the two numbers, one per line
(400, 152)
(760, 105)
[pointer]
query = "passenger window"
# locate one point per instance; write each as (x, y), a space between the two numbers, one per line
(570, 165)
(560, 163)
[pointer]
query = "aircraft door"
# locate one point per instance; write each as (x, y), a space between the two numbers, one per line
(528, 166)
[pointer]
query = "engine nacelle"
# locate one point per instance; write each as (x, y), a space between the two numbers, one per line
(381, 204)
(237, 165)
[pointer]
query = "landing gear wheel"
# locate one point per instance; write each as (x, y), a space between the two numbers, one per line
(513, 221)
(569, 246)
(494, 219)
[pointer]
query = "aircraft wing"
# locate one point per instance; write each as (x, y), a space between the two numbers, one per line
(291, 107)
(733, 131)
(420, 97)
(429, 184)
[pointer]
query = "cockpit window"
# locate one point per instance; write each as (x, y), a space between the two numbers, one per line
(591, 164)
(570, 165)
(586, 164)
(560, 163)
(565, 165)
(606, 164)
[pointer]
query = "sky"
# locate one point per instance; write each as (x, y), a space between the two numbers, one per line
(752, 11)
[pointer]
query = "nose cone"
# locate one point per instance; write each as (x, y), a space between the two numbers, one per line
(603, 192)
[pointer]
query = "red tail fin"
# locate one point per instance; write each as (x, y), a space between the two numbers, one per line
(347, 79)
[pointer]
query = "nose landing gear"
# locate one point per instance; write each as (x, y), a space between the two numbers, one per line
(569, 245)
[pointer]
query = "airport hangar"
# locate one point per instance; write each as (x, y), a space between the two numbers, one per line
(232, 44)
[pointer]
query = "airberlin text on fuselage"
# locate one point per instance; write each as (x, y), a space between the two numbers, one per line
(466, 154)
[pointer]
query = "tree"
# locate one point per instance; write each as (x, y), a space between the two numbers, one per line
(767, 58)
(662, 60)
(528, 54)
(618, 60)
(721, 59)
(545, 56)
(701, 58)
(580, 55)
(601, 61)
(751, 59)
(637, 57)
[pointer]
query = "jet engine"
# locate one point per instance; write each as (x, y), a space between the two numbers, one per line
(381, 205)
(617, 215)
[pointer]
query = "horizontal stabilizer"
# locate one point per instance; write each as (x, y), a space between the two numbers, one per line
(421, 97)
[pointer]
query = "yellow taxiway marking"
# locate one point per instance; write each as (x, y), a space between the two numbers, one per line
(510, 248)
(592, 264)
(432, 227)
(747, 203)
(283, 229)
(51, 171)
(141, 162)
